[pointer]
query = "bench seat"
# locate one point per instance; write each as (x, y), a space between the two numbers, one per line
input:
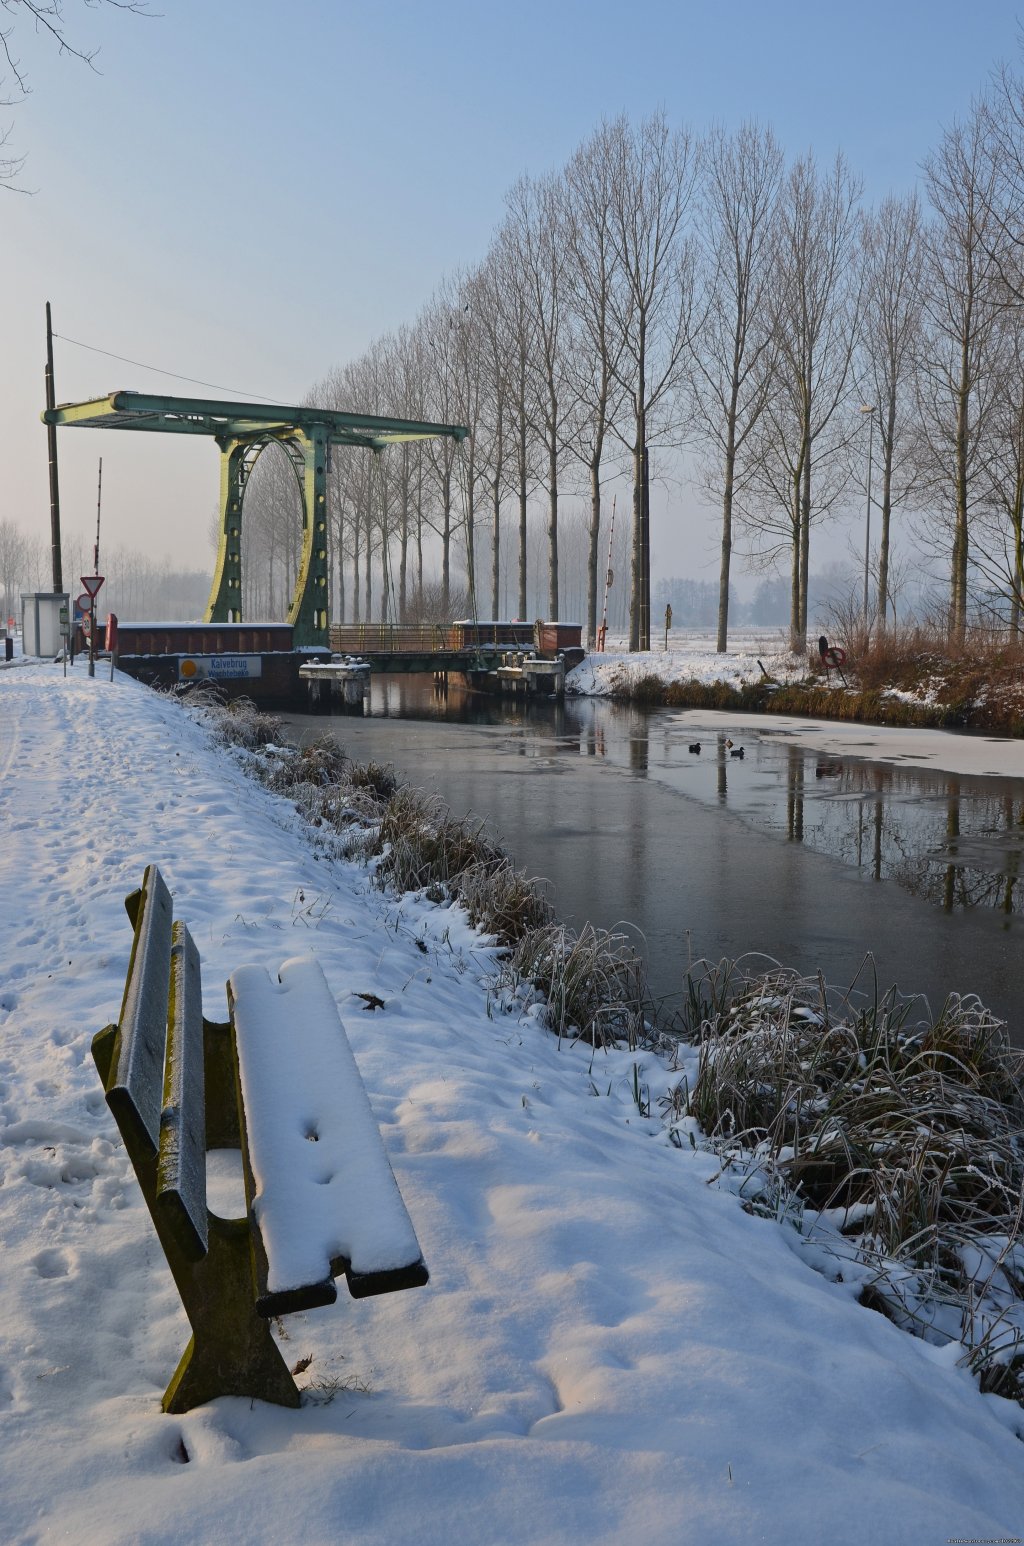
(323, 1192)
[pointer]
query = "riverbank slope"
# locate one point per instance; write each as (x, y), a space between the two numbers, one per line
(898, 679)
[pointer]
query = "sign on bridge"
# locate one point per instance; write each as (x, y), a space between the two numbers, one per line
(192, 668)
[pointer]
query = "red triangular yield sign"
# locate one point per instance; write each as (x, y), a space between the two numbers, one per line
(92, 583)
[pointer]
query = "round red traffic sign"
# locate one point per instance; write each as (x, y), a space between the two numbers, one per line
(84, 603)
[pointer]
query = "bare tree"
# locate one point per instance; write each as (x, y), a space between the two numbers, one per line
(271, 534)
(441, 360)
(998, 546)
(653, 173)
(1001, 117)
(594, 358)
(534, 230)
(962, 296)
(733, 348)
(796, 475)
(890, 335)
(470, 381)
(13, 568)
(46, 18)
(491, 432)
(514, 326)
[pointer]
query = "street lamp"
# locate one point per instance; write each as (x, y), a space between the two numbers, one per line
(868, 408)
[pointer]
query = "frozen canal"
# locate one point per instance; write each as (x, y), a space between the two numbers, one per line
(812, 860)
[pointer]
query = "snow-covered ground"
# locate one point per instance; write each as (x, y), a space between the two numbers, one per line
(693, 658)
(609, 1349)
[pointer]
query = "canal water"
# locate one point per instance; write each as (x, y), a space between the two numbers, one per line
(867, 871)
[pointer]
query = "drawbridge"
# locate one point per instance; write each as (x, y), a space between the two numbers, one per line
(242, 431)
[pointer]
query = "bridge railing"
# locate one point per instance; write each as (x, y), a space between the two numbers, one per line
(390, 638)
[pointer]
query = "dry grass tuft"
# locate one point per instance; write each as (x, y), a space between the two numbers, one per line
(239, 722)
(594, 983)
(904, 1143)
(503, 901)
(423, 845)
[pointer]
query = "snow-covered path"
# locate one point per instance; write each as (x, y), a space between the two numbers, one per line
(609, 1350)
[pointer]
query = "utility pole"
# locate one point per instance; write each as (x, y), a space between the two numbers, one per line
(99, 495)
(95, 569)
(51, 442)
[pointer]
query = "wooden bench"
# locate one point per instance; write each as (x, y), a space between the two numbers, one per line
(278, 1082)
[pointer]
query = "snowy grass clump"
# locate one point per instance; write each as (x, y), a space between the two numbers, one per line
(899, 1147)
(413, 840)
(593, 983)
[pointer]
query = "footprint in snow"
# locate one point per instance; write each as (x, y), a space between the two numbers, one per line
(53, 1263)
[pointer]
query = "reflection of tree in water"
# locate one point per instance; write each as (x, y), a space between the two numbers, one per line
(954, 841)
(944, 841)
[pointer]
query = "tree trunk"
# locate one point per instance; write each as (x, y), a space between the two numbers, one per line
(1017, 596)
(357, 531)
(403, 549)
(958, 577)
(636, 565)
(883, 539)
(593, 547)
(796, 644)
(522, 546)
(722, 640)
(368, 572)
(553, 531)
(805, 543)
(470, 528)
(341, 567)
(446, 544)
(496, 549)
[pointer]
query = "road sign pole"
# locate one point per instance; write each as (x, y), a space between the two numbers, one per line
(91, 585)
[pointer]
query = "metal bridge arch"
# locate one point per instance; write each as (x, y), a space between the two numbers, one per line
(308, 456)
(242, 432)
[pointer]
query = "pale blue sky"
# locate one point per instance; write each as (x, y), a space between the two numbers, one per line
(249, 192)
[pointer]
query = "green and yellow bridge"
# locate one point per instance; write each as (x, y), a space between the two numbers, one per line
(242, 432)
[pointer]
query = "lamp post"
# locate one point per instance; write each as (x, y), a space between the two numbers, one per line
(868, 408)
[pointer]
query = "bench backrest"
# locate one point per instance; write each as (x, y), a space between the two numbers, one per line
(155, 1087)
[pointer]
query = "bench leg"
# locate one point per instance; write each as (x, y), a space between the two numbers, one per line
(232, 1352)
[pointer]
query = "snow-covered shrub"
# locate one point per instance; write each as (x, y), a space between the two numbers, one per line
(904, 1143)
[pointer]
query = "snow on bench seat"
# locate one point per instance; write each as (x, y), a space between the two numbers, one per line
(325, 1198)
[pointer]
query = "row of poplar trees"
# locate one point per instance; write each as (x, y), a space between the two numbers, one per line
(709, 296)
